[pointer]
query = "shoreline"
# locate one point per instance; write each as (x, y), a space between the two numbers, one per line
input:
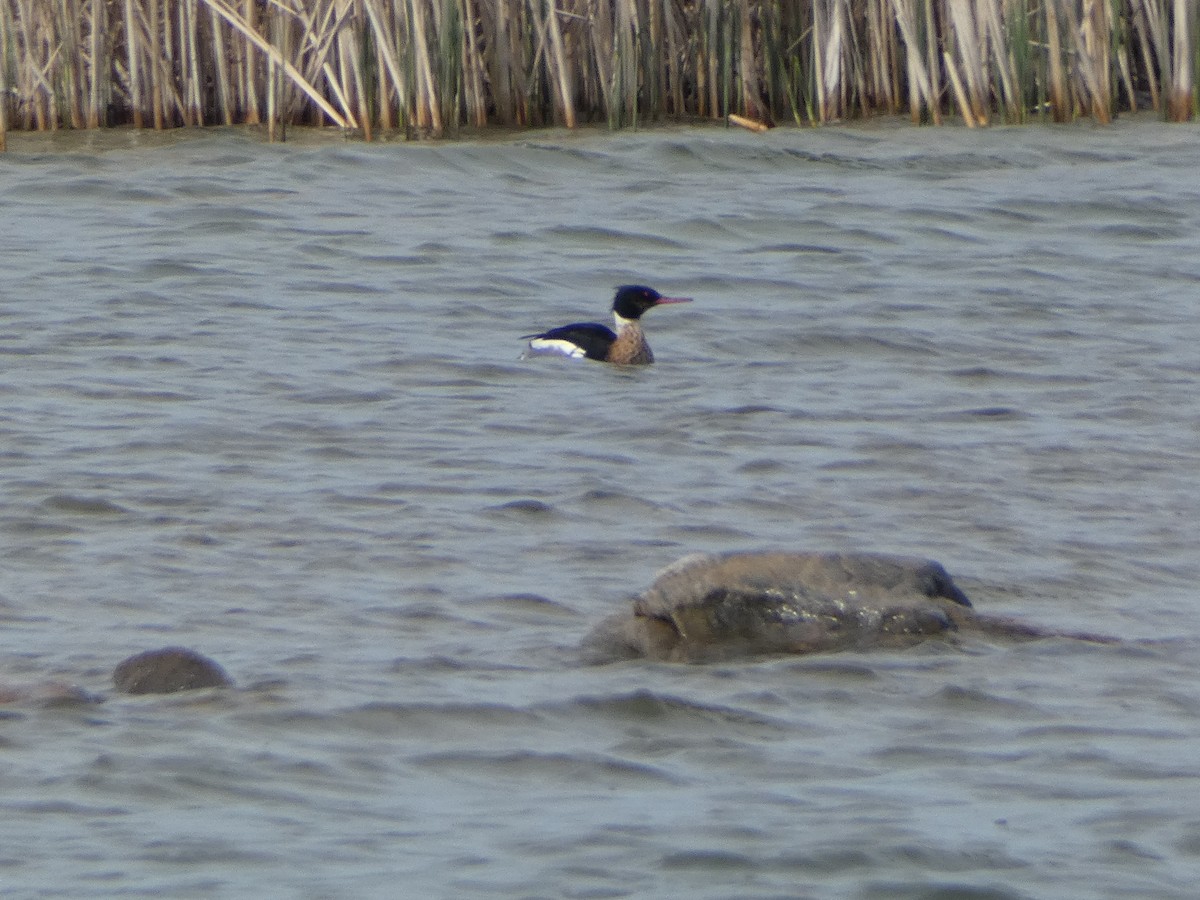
(126, 137)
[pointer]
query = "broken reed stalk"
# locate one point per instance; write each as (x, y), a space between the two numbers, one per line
(275, 132)
(561, 65)
(5, 29)
(1060, 106)
(970, 96)
(1179, 102)
(133, 54)
(441, 64)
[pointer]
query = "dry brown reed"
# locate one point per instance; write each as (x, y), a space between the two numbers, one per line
(429, 66)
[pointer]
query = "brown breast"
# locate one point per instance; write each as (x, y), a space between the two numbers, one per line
(630, 348)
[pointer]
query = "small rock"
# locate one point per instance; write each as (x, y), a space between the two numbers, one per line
(168, 670)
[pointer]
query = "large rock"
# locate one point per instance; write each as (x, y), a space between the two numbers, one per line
(710, 607)
(168, 670)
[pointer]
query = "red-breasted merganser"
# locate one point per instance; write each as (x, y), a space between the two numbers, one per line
(626, 346)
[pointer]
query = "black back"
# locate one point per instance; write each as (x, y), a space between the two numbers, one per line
(593, 338)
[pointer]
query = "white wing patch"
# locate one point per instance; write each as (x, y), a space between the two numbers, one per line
(551, 347)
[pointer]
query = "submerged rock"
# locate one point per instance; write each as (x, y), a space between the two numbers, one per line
(709, 607)
(48, 694)
(168, 670)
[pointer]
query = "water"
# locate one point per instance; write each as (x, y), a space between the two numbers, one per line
(264, 401)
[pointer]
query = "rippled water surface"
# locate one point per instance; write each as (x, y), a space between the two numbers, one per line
(265, 402)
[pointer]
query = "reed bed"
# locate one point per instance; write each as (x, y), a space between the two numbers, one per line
(432, 66)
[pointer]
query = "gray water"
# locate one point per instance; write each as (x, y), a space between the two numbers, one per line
(265, 402)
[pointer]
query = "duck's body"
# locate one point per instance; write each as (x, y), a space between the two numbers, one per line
(590, 340)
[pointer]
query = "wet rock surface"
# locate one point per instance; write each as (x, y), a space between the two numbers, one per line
(168, 670)
(711, 607)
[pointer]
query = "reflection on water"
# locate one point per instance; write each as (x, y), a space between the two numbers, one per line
(265, 402)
